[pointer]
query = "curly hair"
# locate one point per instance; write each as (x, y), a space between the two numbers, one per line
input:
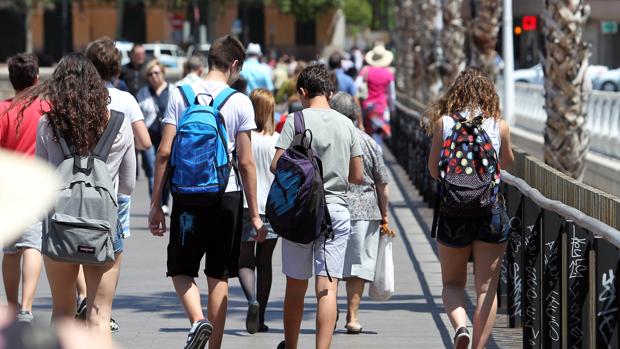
(105, 56)
(472, 90)
(78, 102)
(317, 80)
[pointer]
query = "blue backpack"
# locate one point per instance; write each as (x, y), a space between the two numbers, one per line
(199, 164)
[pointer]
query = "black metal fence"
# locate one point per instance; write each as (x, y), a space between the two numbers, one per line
(558, 280)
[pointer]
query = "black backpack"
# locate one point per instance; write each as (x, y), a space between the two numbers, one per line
(469, 172)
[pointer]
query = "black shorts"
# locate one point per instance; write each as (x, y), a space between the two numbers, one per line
(210, 231)
(462, 231)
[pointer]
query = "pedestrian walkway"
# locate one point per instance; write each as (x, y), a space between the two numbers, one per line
(150, 315)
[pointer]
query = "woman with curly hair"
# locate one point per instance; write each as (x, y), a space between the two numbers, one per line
(471, 100)
(78, 111)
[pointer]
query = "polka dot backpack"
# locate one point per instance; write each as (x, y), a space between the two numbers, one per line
(469, 172)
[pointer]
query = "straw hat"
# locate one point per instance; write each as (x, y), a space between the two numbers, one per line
(253, 49)
(28, 188)
(379, 56)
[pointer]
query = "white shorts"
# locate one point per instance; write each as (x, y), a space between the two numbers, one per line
(297, 259)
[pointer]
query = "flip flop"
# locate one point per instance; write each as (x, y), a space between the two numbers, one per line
(353, 329)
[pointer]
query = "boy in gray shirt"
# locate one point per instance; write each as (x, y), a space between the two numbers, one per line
(335, 142)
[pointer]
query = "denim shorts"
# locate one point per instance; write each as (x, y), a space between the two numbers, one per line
(462, 231)
(122, 224)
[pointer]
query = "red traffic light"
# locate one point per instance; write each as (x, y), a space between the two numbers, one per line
(529, 23)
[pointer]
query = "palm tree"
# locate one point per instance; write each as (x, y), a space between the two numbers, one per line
(452, 41)
(404, 58)
(426, 62)
(566, 86)
(484, 29)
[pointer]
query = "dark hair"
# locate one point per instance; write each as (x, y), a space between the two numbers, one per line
(23, 70)
(105, 57)
(241, 85)
(134, 47)
(317, 80)
(224, 51)
(78, 100)
(335, 61)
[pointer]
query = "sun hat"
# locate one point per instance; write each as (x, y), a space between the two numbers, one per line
(28, 188)
(379, 56)
(253, 49)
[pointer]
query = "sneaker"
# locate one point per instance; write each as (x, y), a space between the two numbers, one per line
(24, 316)
(198, 335)
(263, 328)
(461, 338)
(114, 327)
(80, 313)
(282, 345)
(166, 210)
(251, 319)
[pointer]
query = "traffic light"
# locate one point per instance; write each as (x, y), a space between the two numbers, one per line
(529, 23)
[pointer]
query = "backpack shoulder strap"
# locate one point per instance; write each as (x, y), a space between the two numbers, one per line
(187, 92)
(102, 149)
(458, 117)
(65, 147)
(300, 123)
(222, 97)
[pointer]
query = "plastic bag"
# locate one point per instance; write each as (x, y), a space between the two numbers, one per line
(382, 288)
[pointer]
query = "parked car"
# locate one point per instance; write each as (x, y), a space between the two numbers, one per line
(607, 81)
(124, 47)
(169, 55)
(536, 75)
(532, 75)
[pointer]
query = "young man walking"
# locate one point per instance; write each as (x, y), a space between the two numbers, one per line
(213, 231)
(23, 258)
(336, 143)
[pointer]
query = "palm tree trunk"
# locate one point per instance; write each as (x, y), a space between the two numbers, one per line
(452, 41)
(484, 30)
(405, 42)
(566, 86)
(426, 73)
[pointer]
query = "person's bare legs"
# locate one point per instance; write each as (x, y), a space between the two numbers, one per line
(101, 286)
(62, 279)
(355, 289)
(31, 270)
(11, 272)
(487, 262)
(294, 310)
(189, 295)
(217, 308)
(81, 285)
(454, 276)
(326, 297)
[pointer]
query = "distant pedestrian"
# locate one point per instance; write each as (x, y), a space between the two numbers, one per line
(78, 118)
(381, 92)
(205, 225)
(335, 139)
(193, 69)
(22, 259)
(254, 72)
(257, 255)
(345, 82)
(153, 100)
(470, 144)
(132, 73)
(368, 206)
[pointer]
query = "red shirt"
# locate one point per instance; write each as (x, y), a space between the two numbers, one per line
(25, 141)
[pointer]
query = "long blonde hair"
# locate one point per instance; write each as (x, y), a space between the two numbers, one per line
(472, 90)
(264, 106)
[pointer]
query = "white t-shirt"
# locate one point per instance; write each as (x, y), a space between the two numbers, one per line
(238, 114)
(263, 149)
(125, 103)
(490, 125)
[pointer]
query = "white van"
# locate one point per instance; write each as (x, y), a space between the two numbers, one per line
(169, 55)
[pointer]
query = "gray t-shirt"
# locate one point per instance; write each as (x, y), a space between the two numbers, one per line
(335, 142)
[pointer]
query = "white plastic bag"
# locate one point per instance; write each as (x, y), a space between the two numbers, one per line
(382, 288)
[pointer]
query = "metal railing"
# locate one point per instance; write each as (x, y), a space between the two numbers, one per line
(559, 276)
(603, 116)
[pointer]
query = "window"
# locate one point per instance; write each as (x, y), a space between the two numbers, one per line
(166, 52)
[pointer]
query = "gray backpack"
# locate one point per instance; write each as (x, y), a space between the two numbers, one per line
(80, 227)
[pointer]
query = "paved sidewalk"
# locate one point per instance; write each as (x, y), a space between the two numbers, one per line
(150, 315)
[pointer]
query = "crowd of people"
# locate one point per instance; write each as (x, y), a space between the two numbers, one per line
(230, 125)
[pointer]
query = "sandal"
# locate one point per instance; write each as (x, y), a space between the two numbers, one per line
(354, 329)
